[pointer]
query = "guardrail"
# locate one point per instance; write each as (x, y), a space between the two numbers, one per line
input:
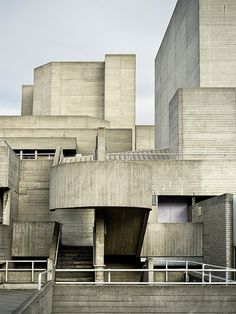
(48, 271)
(208, 274)
(33, 270)
(35, 155)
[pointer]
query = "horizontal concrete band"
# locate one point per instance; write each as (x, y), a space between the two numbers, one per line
(107, 208)
(145, 299)
(100, 184)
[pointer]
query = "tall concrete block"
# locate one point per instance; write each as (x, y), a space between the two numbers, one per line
(42, 90)
(198, 50)
(120, 88)
(203, 123)
(217, 43)
(176, 63)
(69, 88)
(27, 100)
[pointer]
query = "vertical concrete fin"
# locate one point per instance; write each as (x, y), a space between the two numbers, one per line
(101, 144)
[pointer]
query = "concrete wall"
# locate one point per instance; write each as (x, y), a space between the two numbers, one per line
(216, 215)
(4, 164)
(119, 140)
(77, 226)
(32, 238)
(13, 183)
(203, 122)
(120, 90)
(100, 184)
(42, 90)
(145, 299)
(69, 88)
(208, 177)
(9, 178)
(41, 143)
(27, 100)
(176, 64)
(34, 191)
(39, 303)
(124, 231)
(50, 122)
(144, 137)
(217, 43)
(173, 240)
(37, 138)
(32, 132)
(198, 50)
(5, 242)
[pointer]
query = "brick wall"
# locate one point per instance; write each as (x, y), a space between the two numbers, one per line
(216, 216)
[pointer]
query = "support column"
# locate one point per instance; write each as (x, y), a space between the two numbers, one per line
(150, 265)
(101, 144)
(99, 244)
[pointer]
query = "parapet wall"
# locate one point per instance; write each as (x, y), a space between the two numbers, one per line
(144, 299)
(100, 184)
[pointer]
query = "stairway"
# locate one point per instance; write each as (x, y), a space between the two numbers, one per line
(75, 257)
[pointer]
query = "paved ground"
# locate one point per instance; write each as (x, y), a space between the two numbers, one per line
(11, 299)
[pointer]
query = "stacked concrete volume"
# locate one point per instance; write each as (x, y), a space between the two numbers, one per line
(104, 216)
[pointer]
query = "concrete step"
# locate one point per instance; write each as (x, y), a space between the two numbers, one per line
(75, 258)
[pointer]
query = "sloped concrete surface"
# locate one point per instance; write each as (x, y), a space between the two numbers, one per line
(10, 300)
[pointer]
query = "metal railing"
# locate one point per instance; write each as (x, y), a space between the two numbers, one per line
(169, 156)
(206, 273)
(35, 155)
(32, 270)
(48, 271)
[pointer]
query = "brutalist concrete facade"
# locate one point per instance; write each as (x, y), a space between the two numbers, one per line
(75, 164)
(197, 51)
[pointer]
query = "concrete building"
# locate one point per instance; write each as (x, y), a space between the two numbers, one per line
(119, 220)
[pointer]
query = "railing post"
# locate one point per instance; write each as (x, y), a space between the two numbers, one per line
(166, 271)
(203, 273)
(6, 271)
(50, 268)
(210, 277)
(39, 281)
(109, 275)
(186, 276)
(32, 272)
(227, 276)
(150, 265)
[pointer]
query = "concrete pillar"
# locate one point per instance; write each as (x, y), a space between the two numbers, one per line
(58, 156)
(150, 265)
(101, 144)
(99, 244)
(51, 275)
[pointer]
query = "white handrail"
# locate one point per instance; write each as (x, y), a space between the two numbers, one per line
(202, 271)
(40, 278)
(32, 269)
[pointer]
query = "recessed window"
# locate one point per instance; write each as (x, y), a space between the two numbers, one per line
(173, 209)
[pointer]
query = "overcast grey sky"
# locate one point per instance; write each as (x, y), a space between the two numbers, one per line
(34, 32)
